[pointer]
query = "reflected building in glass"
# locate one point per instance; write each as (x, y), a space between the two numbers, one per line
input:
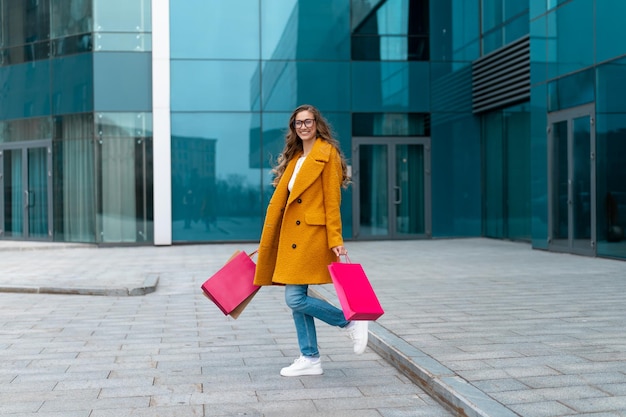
(157, 122)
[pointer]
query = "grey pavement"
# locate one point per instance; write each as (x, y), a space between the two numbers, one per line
(473, 327)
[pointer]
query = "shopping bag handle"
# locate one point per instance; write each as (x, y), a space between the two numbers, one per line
(348, 261)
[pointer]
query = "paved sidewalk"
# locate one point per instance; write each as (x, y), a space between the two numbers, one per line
(489, 328)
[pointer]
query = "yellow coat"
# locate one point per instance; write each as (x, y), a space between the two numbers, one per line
(301, 227)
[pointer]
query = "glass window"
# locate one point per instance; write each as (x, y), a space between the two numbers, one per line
(455, 30)
(398, 30)
(70, 17)
(216, 187)
(572, 34)
(229, 29)
(122, 15)
(214, 85)
(35, 128)
(492, 14)
(506, 173)
(391, 124)
(571, 91)
(611, 184)
(286, 84)
(610, 29)
(293, 29)
(124, 178)
(25, 91)
(390, 86)
(73, 167)
(611, 87)
(72, 84)
(456, 210)
(121, 82)
(24, 22)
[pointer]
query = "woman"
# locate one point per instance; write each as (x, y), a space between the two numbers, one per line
(302, 233)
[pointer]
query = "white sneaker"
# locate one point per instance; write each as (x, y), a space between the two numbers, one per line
(357, 330)
(303, 366)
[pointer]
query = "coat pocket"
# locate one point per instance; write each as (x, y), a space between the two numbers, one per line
(315, 219)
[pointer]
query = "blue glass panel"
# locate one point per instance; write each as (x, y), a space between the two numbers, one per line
(214, 85)
(572, 33)
(390, 86)
(492, 41)
(122, 15)
(537, 8)
(216, 186)
(611, 184)
(451, 87)
(455, 30)
(611, 87)
(121, 82)
(492, 14)
(456, 173)
(72, 85)
(293, 29)
(538, 45)
(25, 91)
(539, 165)
(287, 84)
(571, 91)
(513, 8)
(516, 28)
(214, 29)
(610, 29)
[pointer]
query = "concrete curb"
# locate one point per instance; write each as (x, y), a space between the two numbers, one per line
(148, 286)
(443, 384)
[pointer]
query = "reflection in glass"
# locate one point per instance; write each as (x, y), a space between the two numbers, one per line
(216, 193)
(229, 29)
(287, 25)
(373, 190)
(70, 18)
(213, 85)
(397, 30)
(24, 22)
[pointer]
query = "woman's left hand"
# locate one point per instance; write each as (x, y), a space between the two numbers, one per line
(339, 250)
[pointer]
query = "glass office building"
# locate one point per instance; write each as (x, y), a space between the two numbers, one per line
(156, 122)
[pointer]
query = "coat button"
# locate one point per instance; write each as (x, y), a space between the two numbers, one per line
(299, 200)
(293, 246)
(298, 222)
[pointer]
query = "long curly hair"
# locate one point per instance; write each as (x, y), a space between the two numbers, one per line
(293, 144)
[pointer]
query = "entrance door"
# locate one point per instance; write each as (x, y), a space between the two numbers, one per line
(571, 184)
(391, 196)
(26, 184)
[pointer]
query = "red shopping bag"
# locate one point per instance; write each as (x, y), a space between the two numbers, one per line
(356, 295)
(231, 288)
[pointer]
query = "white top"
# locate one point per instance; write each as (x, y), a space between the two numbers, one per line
(299, 163)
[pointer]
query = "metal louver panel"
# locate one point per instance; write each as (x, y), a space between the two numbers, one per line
(502, 78)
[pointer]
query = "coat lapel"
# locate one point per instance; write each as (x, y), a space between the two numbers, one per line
(311, 169)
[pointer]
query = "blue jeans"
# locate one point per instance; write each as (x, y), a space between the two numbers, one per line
(304, 309)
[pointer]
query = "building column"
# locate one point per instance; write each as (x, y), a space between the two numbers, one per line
(162, 137)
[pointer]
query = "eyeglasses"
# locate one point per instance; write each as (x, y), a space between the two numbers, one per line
(306, 122)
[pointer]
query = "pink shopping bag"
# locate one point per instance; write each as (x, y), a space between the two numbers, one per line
(231, 288)
(356, 295)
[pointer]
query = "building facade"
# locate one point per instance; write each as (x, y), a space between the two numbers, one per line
(157, 122)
